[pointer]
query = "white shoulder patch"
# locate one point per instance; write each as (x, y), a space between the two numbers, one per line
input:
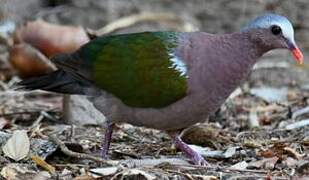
(178, 64)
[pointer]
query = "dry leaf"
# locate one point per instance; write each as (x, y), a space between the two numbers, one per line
(270, 94)
(84, 177)
(37, 41)
(205, 177)
(268, 163)
(267, 153)
(303, 167)
(51, 39)
(241, 165)
(28, 61)
(7, 27)
(293, 153)
(290, 162)
(18, 146)
(43, 175)
(39, 161)
(107, 171)
(4, 123)
(231, 151)
(66, 174)
(8, 173)
(134, 174)
(202, 135)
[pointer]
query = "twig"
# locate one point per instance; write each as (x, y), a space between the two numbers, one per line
(253, 119)
(3, 86)
(43, 58)
(48, 116)
(37, 122)
(25, 93)
(134, 19)
(300, 112)
(298, 124)
(293, 153)
(28, 112)
(225, 169)
(133, 163)
(70, 153)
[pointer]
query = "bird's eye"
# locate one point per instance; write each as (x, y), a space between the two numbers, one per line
(276, 30)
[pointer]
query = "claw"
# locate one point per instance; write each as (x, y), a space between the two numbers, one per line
(197, 159)
(194, 156)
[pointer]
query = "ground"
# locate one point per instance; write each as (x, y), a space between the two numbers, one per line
(259, 133)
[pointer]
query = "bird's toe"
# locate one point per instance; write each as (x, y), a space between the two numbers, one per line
(199, 160)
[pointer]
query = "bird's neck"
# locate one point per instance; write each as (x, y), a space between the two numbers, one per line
(247, 46)
(254, 41)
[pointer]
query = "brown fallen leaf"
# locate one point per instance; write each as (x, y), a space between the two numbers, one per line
(37, 41)
(134, 174)
(51, 39)
(28, 61)
(268, 163)
(4, 123)
(84, 177)
(278, 149)
(203, 135)
(293, 153)
(8, 173)
(267, 153)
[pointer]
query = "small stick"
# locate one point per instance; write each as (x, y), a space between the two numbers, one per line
(225, 169)
(133, 163)
(70, 153)
(300, 112)
(29, 112)
(298, 124)
(137, 18)
(37, 122)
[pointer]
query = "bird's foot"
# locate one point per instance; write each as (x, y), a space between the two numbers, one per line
(104, 153)
(198, 159)
(195, 157)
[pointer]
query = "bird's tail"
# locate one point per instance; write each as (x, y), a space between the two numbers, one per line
(58, 81)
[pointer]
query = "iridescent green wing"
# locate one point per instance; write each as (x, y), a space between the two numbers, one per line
(140, 69)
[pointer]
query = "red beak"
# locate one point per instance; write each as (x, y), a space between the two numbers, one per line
(298, 55)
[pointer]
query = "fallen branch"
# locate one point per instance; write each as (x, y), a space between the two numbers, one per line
(224, 169)
(298, 124)
(133, 163)
(70, 153)
(24, 93)
(300, 112)
(138, 18)
(31, 113)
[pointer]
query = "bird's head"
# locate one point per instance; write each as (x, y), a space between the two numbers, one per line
(274, 31)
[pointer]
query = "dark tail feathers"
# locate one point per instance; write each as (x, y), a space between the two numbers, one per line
(58, 81)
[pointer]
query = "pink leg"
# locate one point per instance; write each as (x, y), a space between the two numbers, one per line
(107, 140)
(194, 156)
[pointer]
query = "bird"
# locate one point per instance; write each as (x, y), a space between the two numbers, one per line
(165, 80)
